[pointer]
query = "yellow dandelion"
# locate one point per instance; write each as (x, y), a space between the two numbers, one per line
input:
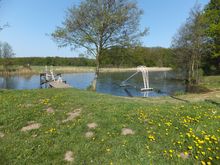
(108, 150)
(196, 157)
(201, 142)
(209, 163)
(203, 163)
(203, 153)
(188, 134)
(203, 132)
(185, 153)
(151, 137)
(190, 147)
(214, 138)
(207, 138)
(210, 158)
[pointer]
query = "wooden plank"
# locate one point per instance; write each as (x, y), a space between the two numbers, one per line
(56, 84)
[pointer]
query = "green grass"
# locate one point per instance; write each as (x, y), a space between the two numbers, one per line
(163, 128)
(211, 82)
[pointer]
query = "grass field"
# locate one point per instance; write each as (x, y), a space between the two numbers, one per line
(52, 126)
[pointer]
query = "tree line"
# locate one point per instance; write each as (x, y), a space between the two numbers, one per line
(114, 57)
(197, 43)
(54, 61)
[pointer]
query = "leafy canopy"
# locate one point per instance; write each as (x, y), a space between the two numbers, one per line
(100, 24)
(211, 19)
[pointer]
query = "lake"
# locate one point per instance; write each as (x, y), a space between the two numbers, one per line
(163, 83)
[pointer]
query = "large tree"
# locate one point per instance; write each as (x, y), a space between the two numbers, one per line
(97, 25)
(188, 46)
(211, 24)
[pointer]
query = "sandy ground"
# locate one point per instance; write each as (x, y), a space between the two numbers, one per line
(69, 69)
(151, 69)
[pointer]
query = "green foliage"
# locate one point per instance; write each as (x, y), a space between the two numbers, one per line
(97, 25)
(211, 25)
(132, 57)
(211, 20)
(188, 46)
(55, 61)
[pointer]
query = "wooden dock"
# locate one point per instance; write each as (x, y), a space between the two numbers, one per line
(56, 84)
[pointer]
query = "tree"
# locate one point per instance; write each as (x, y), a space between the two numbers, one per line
(188, 46)
(211, 24)
(6, 52)
(98, 25)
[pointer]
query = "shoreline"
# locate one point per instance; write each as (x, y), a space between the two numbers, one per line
(74, 69)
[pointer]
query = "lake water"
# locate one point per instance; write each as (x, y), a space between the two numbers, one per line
(163, 83)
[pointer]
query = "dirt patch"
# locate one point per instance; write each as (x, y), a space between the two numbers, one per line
(2, 135)
(28, 105)
(50, 110)
(69, 156)
(127, 131)
(72, 115)
(89, 134)
(31, 126)
(92, 125)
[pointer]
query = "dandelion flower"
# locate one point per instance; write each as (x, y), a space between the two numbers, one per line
(190, 147)
(108, 150)
(203, 163)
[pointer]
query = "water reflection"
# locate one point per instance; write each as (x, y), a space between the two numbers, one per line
(8, 82)
(108, 83)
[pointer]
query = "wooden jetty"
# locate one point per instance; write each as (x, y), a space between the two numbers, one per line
(49, 79)
(56, 84)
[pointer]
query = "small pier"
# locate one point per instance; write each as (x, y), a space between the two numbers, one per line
(55, 84)
(51, 80)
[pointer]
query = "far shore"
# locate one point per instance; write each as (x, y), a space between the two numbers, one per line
(74, 69)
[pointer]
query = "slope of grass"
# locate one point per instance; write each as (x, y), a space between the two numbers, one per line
(211, 82)
(165, 132)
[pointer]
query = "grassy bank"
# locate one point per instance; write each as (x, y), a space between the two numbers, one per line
(211, 82)
(50, 126)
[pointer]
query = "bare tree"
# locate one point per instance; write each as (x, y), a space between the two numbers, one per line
(6, 52)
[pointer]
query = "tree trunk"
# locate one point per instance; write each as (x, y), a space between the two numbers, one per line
(94, 82)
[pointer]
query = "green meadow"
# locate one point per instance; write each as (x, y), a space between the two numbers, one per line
(70, 126)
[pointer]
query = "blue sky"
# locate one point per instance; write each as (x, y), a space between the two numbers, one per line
(31, 20)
